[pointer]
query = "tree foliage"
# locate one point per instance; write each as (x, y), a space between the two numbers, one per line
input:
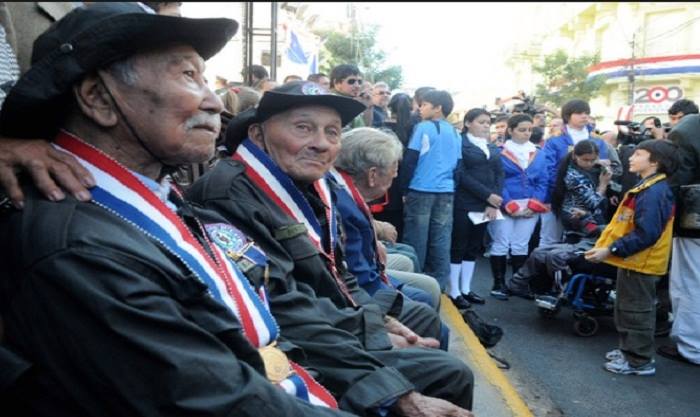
(359, 48)
(565, 78)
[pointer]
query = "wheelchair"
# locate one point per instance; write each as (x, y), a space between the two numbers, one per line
(587, 288)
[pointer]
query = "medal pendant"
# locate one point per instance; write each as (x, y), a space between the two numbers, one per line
(277, 367)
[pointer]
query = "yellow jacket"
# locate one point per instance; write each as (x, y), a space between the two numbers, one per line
(653, 258)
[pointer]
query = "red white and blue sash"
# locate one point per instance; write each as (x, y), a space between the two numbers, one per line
(280, 188)
(121, 193)
(345, 181)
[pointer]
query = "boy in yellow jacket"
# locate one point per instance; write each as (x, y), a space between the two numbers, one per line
(638, 241)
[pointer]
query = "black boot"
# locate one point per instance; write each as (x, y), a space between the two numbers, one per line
(517, 261)
(498, 269)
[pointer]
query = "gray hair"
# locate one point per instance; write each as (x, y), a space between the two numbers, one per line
(381, 84)
(124, 72)
(365, 147)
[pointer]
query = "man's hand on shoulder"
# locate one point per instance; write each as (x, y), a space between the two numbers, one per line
(51, 170)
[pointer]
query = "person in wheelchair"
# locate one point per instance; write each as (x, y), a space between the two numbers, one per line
(579, 201)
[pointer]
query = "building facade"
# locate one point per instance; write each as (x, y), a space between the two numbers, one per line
(648, 51)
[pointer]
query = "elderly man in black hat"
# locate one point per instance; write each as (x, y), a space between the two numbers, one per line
(143, 266)
(130, 305)
(275, 188)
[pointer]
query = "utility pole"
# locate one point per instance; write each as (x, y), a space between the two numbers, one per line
(630, 75)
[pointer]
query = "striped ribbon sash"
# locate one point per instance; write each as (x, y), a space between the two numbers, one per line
(280, 188)
(121, 193)
(348, 185)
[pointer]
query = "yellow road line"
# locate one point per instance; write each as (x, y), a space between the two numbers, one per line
(481, 359)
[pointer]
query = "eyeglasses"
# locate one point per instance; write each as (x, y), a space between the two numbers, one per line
(352, 81)
(383, 93)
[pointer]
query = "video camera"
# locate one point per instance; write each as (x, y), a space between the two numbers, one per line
(636, 132)
(527, 106)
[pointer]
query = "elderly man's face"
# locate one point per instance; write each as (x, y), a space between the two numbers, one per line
(170, 105)
(379, 180)
(380, 96)
(303, 142)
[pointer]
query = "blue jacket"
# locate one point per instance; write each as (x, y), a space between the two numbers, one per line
(477, 177)
(360, 244)
(556, 148)
(530, 183)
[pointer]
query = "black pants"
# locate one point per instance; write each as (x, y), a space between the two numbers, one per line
(434, 373)
(467, 238)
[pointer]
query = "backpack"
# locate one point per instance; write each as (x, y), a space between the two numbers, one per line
(488, 334)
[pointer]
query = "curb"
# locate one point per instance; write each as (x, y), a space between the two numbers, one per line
(483, 362)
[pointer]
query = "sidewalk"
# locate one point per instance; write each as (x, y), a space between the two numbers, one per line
(494, 395)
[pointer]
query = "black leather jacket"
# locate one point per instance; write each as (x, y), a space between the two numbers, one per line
(116, 326)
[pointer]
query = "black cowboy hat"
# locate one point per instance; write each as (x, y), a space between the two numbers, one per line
(90, 38)
(285, 97)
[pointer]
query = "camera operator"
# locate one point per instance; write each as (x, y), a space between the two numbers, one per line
(679, 109)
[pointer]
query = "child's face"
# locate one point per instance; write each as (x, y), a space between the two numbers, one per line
(578, 120)
(480, 126)
(640, 163)
(522, 132)
(585, 161)
(500, 128)
(430, 112)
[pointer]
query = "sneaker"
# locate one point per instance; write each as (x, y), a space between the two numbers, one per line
(614, 355)
(499, 294)
(623, 367)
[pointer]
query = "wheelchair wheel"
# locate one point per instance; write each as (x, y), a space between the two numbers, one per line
(547, 313)
(585, 326)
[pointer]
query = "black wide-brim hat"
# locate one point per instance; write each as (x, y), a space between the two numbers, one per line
(91, 38)
(286, 97)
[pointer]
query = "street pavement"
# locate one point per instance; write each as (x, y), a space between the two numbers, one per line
(557, 373)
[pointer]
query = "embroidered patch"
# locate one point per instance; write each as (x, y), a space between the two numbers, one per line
(312, 89)
(226, 237)
(625, 215)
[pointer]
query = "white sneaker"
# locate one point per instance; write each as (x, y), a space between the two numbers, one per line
(623, 367)
(614, 355)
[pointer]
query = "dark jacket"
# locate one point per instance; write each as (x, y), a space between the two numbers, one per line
(308, 305)
(115, 325)
(686, 134)
(477, 177)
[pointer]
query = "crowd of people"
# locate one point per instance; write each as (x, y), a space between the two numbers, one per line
(302, 274)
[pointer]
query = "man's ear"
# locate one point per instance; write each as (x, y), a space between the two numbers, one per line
(372, 176)
(95, 102)
(255, 133)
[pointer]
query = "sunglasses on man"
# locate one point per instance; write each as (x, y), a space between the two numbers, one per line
(352, 81)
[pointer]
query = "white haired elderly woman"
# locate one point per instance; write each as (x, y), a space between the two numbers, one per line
(365, 168)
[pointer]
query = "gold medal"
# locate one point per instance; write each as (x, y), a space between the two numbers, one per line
(276, 363)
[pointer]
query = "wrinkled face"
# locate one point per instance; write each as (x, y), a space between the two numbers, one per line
(639, 161)
(381, 179)
(578, 120)
(303, 142)
(170, 105)
(522, 132)
(586, 161)
(480, 126)
(349, 86)
(380, 96)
